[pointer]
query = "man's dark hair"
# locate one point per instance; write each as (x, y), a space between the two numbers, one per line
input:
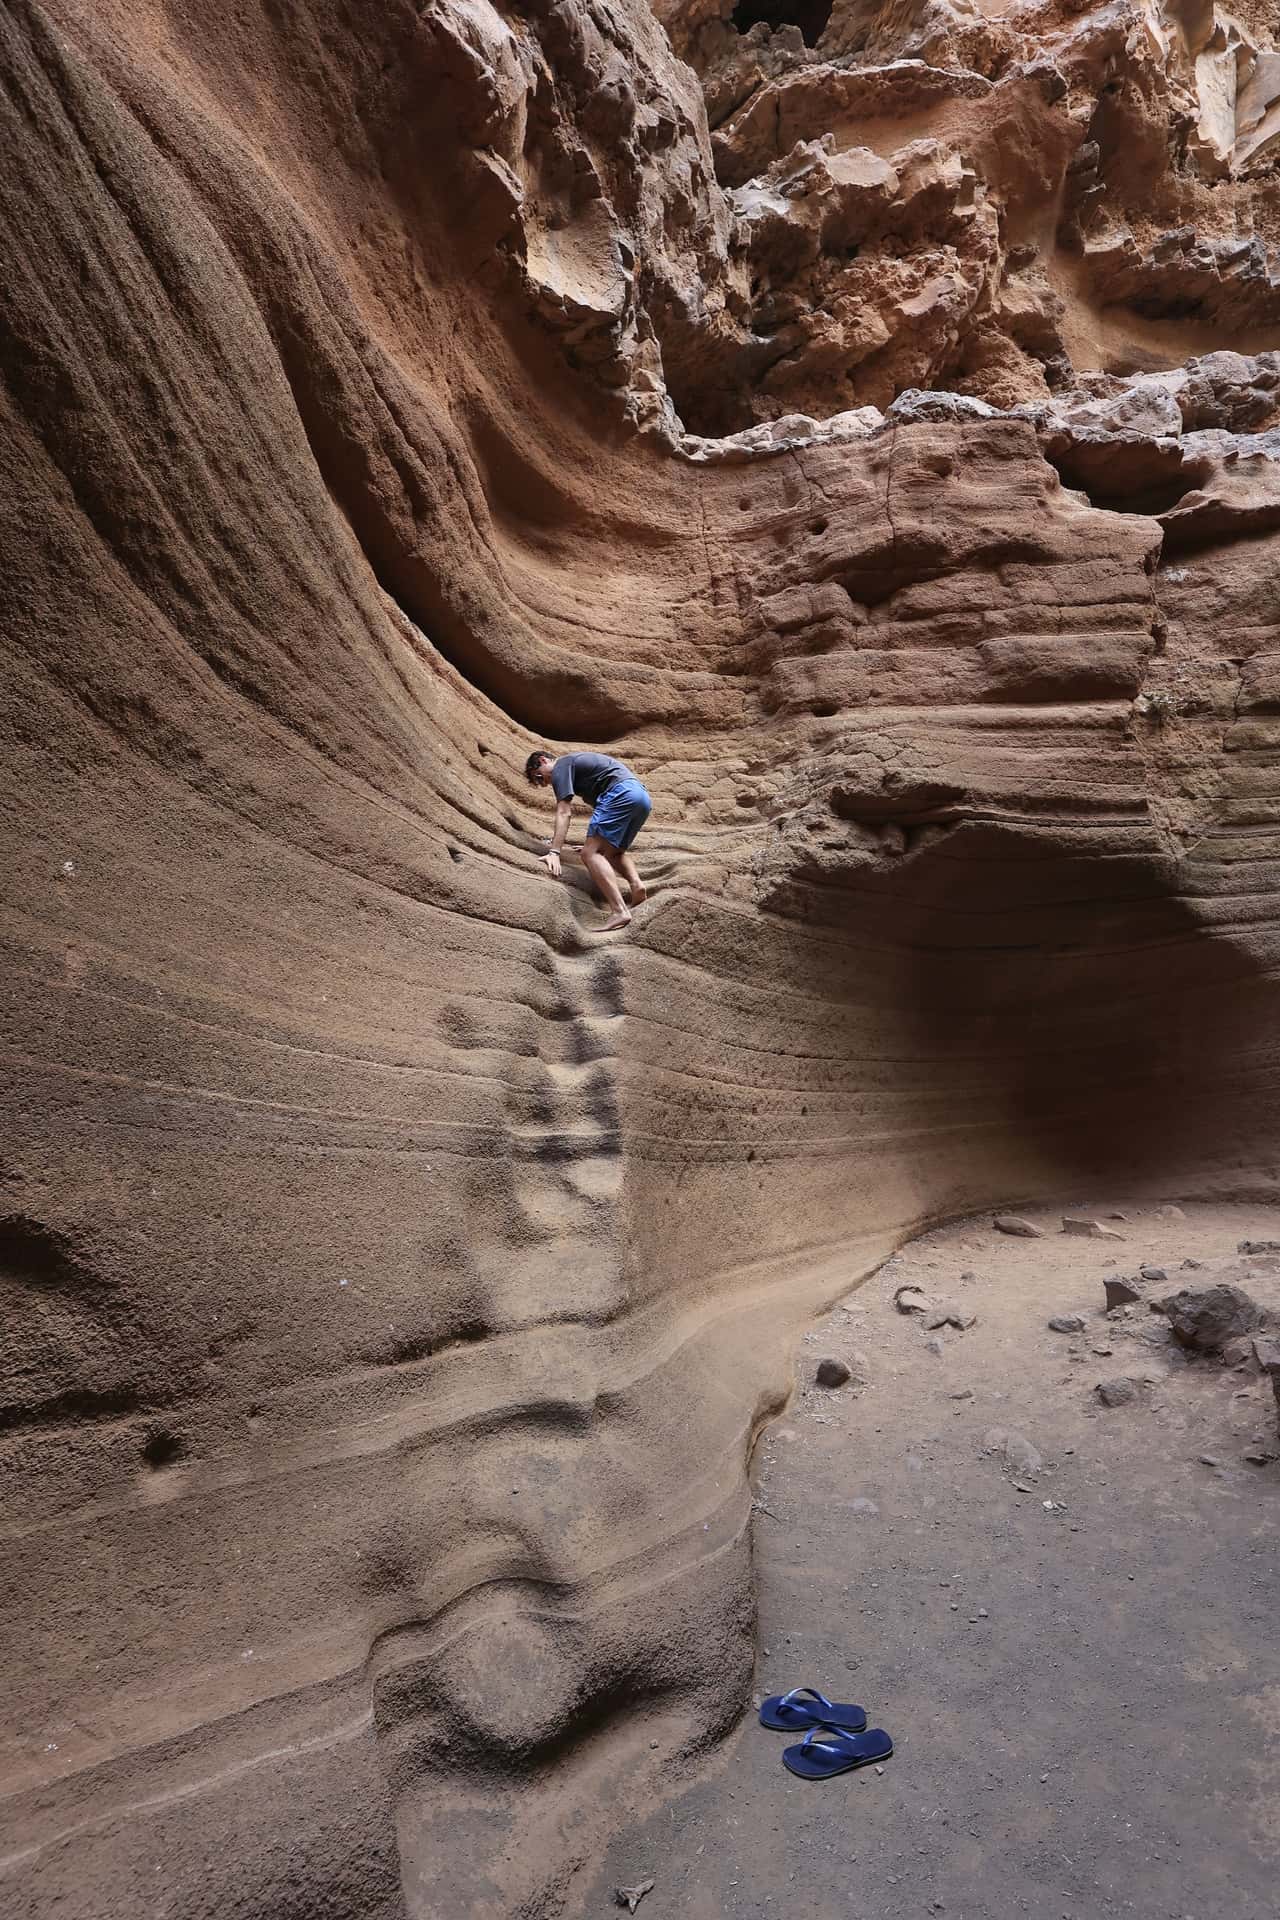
(534, 761)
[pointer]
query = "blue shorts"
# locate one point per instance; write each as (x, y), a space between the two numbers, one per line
(620, 813)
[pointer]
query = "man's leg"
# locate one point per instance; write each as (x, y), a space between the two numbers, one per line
(623, 863)
(632, 877)
(595, 856)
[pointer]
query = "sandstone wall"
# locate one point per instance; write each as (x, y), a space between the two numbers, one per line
(395, 1272)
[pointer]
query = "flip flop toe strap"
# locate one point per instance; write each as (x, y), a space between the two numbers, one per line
(796, 1693)
(829, 1740)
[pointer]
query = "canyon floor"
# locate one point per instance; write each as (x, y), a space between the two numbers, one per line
(1077, 1662)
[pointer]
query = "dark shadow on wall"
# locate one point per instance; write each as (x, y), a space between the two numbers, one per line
(811, 16)
(1076, 1005)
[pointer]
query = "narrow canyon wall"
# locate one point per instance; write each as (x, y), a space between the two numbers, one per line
(867, 424)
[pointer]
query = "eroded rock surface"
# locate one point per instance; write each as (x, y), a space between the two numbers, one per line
(991, 198)
(395, 1275)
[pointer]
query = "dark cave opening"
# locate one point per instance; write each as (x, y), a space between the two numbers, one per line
(811, 16)
(1151, 485)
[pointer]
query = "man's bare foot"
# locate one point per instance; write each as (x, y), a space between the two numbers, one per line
(618, 921)
(639, 895)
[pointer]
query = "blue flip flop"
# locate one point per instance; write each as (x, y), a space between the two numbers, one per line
(788, 1712)
(826, 1751)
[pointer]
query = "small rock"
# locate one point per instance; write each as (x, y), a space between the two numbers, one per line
(945, 1315)
(1266, 1351)
(1021, 1229)
(1119, 1292)
(1155, 1274)
(934, 1345)
(630, 1897)
(963, 1393)
(1017, 1450)
(1102, 1350)
(911, 1299)
(1258, 1246)
(1261, 1456)
(1237, 1351)
(1087, 1229)
(1067, 1323)
(832, 1373)
(863, 1505)
(1116, 1392)
(1170, 1211)
(1209, 1460)
(1192, 1266)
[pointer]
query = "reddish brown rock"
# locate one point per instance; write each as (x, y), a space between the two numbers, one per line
(396, 1273)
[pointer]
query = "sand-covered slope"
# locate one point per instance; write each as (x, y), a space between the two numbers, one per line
(395, 1271)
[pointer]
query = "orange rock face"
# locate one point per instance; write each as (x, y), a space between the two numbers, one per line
(869, 432)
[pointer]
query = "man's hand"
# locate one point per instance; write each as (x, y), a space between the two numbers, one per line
(552, 863)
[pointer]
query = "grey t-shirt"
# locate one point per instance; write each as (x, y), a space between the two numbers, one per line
(587, 774)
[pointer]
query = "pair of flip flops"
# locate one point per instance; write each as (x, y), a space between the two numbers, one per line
(838, 1738)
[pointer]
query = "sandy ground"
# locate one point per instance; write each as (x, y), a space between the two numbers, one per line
(1078, 1664)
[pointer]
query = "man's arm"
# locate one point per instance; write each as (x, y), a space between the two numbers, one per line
(564, 809)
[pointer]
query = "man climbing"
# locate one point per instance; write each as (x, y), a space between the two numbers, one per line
(619, 808)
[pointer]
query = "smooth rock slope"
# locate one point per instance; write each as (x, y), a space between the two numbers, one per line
(396, 1274)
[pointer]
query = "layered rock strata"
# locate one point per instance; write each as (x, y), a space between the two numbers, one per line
(395, 1274)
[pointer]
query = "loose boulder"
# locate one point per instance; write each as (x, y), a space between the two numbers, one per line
(1087, 1229)
(1117, 1391)
(1205, 1318)
(1119, 1292)
(1020, 1228)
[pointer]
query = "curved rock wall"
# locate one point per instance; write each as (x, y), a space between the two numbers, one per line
(395, 1273)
